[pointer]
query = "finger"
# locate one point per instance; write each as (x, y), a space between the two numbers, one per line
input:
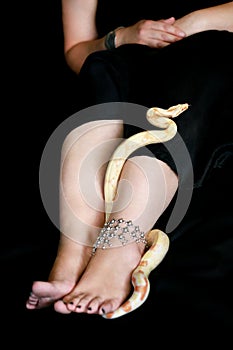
(168, 28)
(161, 40)
(170, 20)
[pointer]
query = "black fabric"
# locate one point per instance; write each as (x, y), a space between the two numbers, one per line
(190, 301)
(194, 279)
(191, 71)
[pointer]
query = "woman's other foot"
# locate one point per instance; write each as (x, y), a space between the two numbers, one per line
(71, 261)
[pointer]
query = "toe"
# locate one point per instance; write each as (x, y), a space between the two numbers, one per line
(71, 306)
(108, 306)
(31, 306)
(60, 306)
(32, 302)
(72, 301)
(83, 304)
(93, 306)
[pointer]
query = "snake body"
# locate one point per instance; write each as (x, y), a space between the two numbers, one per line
(158, 241)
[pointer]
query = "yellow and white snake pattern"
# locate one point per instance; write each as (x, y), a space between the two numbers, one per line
(158, 241)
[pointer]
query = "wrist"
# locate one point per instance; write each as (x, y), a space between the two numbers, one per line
(191, 23)
(111, 41)
(119, 37)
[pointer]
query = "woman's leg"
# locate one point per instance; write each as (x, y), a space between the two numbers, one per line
(84, 157)
(146, 187)
(103, 78)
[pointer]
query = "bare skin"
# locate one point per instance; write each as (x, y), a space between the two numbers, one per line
(70, 262)
(81, 36)
(74, 260)
(74, 250)
(95, 293)
(76, 282)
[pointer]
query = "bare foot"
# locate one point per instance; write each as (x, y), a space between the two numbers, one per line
(71, 261)
(45, 293)
(101, 290)
(106, 282)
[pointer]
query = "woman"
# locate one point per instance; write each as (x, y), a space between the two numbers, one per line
(115, 53)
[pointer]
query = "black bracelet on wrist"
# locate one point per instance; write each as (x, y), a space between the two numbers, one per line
(110, 39)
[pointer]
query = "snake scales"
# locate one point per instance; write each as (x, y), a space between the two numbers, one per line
(158, 241)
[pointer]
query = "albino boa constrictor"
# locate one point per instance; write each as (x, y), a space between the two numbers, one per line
(157, 241)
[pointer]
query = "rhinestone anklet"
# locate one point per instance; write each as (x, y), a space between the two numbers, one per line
(118, 231)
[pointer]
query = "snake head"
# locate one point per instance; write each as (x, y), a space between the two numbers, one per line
(160, 117)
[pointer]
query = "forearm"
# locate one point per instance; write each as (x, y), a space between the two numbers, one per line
(213, 18)
(218, 17)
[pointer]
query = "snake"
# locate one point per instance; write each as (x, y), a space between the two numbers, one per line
(157, 240)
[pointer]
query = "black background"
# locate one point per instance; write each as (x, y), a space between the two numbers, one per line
(188, 297)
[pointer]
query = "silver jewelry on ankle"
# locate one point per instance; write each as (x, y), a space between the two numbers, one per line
(115, 231)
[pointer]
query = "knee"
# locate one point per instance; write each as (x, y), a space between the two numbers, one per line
(142, 162)
(148, 170)
(139, 167)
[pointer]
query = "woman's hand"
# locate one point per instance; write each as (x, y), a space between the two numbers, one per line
(161, 33)
(156, 34)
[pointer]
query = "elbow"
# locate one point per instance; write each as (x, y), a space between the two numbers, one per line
(72, 59)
